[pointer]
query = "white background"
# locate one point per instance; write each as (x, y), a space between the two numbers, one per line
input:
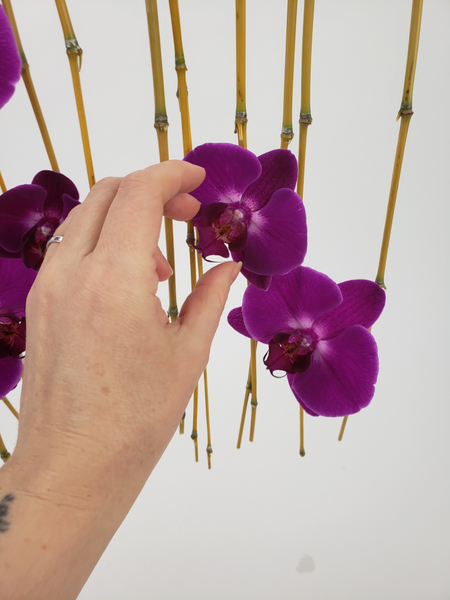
(370, 511)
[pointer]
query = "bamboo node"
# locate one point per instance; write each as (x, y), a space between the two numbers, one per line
(254, 402)
(194, 435)
(25, 65)
(302, 452)
(180, 64)
(305, 118)
(172, 312)
(161, 123)
(190, 239)
(405, 110)
(381, 283)
(287, 133)
(209, 449)
(239, 123)
(5, 456)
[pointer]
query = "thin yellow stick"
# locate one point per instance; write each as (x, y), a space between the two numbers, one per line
(287, 132)
(404, 115)
(209, 449)
(10, 406)
(161, 126)
(181, 68)
(241, 109)
(341, 432)
(302, 435)
(254, 401)
(248, 389)
(74, 54)
(2, 184)
(26, 76)
(194, 434)
(305, 107)
(4, 454)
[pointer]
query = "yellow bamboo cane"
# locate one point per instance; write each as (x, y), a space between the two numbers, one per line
(241, 109)
(161, 126)
(241, 130)
(26, 76)
(305, 107)
(304, 122)
(4, 454)
(10, 407)
(287, 132)
(2, 184)
(74, 54)
(405, 113)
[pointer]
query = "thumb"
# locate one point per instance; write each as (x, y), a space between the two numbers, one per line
(201, 311)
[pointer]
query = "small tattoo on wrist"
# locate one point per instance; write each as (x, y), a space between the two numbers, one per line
(4, 509)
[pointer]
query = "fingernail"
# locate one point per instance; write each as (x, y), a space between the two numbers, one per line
(236, 271)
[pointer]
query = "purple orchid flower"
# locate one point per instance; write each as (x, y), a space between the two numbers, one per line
(10, 61)
(249, 203)
(30, 214)
(15, 283)
(317, 333)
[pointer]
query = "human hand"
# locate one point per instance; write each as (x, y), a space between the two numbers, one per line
(107, 377)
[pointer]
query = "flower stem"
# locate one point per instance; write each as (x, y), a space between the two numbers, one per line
(4, 454)
(305, 107)
(26, 76)
(161, 126)
(241, 109)
(10, 406)
(74, 54)
(404, 115)
(287, 132)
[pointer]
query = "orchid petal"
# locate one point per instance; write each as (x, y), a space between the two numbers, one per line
(299, 400)
(10, 61)
(21, 208)
(57, 186)
(230, 169)
(10, 373)
(261, 282)
(16, 281)
(293, 301)
(236, 320)
(362, 304)
(208, 244)
(342, 375)
(279, 170)
(277, 235)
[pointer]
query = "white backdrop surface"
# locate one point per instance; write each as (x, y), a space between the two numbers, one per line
(362, 519)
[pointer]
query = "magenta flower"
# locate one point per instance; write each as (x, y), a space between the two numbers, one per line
(317, 333)
(249, 203)
(30, 214)
(16, 281)
(10, 61)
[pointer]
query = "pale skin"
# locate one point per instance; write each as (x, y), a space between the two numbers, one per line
(106, 381)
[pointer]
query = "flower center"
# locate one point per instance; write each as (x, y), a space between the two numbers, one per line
(229, 226)
(12, 336)
(291, 352)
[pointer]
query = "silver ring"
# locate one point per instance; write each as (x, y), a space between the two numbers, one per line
(56, 239)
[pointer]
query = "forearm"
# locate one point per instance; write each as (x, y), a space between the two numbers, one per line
(56, 522)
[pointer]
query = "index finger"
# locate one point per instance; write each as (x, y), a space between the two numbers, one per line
(132, 225)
